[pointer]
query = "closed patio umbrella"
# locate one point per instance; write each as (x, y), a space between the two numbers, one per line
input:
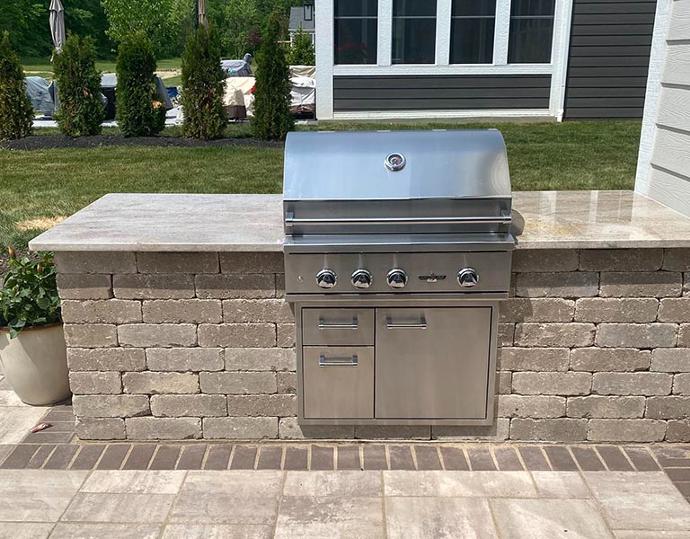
(201, 11)
(57, 24)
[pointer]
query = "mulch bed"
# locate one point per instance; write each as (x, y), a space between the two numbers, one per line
(43, 142)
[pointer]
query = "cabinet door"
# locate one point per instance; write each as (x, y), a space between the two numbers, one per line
(432, 363)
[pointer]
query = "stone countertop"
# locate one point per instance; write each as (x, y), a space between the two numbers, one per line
(196, 223)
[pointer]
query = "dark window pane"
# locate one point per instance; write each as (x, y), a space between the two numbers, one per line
(414, 8)
(356, 8)
(472, 41)
(355, 41)
(530, 41)
(474, 7)
(531, 7)
(414, 41)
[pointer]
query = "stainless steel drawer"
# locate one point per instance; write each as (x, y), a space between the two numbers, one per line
(338, 382)
(338, 327)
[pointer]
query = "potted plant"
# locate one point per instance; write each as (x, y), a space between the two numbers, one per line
(32, 343)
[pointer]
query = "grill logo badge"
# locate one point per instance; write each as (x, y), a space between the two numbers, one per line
(395, 162)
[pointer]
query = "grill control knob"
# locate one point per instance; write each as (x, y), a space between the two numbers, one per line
(326, 278)
(361, 278)
(396, 278)
(468, 278)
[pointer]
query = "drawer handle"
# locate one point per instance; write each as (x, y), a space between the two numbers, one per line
(338, 361)
(406, 325)
(323, 325)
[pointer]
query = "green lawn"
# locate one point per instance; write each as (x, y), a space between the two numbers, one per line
(41, 184)
(42, 67)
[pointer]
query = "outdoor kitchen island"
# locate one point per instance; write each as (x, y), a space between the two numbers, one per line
(177, 328)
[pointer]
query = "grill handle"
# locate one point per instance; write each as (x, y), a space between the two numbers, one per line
(290, 219)
(323, 325)
(406, 325)
(351, 361)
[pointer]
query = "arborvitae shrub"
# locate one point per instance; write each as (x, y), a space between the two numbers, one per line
(16, 112)
(81, 110)
(272, 118)
(203, 86)
(140, 113)
(302, 50)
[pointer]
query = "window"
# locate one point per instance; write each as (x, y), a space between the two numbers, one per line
(414, 31)
(355, 31)
(472, 32)
(531, 30)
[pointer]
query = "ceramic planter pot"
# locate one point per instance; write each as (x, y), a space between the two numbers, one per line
(35, 364)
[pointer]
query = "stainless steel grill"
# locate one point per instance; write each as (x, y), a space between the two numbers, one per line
(397, 253)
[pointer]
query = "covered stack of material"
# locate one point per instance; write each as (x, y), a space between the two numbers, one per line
(38, 90)
(303, 90)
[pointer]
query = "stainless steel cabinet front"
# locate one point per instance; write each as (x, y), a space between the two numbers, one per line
(338, 327)
(432, 363)
(338, 382)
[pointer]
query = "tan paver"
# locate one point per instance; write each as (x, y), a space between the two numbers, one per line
(68, 530)
(24, 530)
(16, 421)
(134, 481)
(333, 484)
(443, 484)
(112, 507)
(217, 531)
(560, 485)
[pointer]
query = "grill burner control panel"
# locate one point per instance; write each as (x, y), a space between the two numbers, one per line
(396, 278)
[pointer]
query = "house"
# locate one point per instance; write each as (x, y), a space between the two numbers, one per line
(482, 58)
(302, 18)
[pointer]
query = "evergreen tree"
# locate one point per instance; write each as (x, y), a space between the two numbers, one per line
(272, 118)
(302, 50)
(16, 112)
(140, 112)
(79, 88)
(203, 87)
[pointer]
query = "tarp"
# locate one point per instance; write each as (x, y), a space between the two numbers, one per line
(238, 68)
(302, 94)
(109, 81)
(303, 71)
(38, 90)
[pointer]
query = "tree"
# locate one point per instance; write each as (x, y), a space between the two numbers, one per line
(16, 112)
(139, 110)
(302, 50)
(272, 118)
(79, 88)
(203, 83)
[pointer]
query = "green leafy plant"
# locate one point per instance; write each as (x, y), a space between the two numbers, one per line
(140, 112)
(29, 295)
(302, 50)
(81, 110)
(203, 83)
(272, 118)
(16, 112)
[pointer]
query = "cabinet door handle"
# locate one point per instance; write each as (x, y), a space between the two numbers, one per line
(323, 325)
(352, 361)
(406, 325)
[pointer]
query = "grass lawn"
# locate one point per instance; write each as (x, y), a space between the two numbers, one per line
(38, 185)
(41, 67)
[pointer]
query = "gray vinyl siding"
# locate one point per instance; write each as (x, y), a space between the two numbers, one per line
(608, 59)
(440, 92)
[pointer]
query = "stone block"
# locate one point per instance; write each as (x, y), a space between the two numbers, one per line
(90, 335)
(498, 432)
(110, 405)
(636, 383)
(504, 382)
(675, 310)
(609, 359)
(111, 311)
(230, 286)
(280, 285)
(639, 284)
(686, 284)
(161, 383)
(551, 430)
(671, 360)
(189, 406)
(95, 383)
(153, 286)
(596, 406)
(533, 359)
(537, 310)
(552, 383)
(540, 260)
(95, 262)
(237, 335)
(157, 335)
(678, 431)
(626, 430)
(178, 263)
(636, 335)
(84, 286)
(672, 407)
(531, 406)
(286, 335)
(578, 284)
(676, 259)
(106, 359)
(181, 311)
(260, 359)
(289, 429)
(240, 428)
(262, 405)
(100, 428)
(616, 310)
(185, 359)
(557, 335)
(287, 382)
(235, 262)
(681, 384)
(246, 311)
(621, 259)
(684, 336)
(506, 334)
(238, 383)
(163, 428)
